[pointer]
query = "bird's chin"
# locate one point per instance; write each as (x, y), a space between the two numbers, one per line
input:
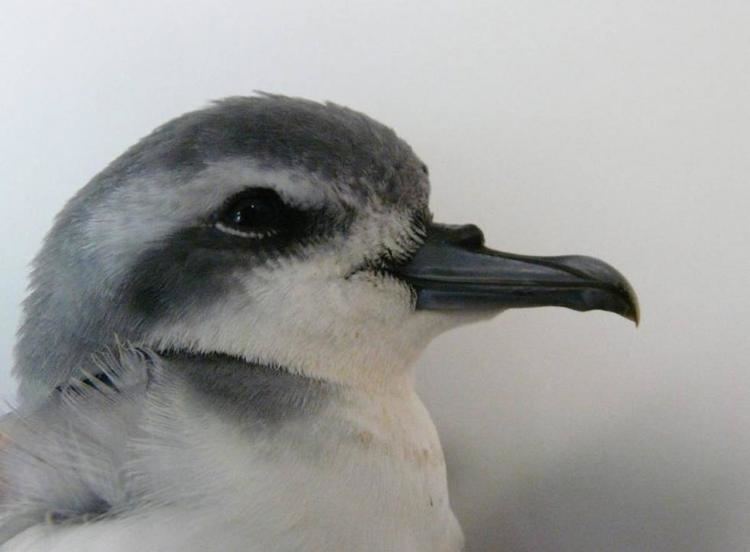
(443, 321)
(374, 275)
(385, 281)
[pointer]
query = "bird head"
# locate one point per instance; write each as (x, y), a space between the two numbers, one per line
(283, 232)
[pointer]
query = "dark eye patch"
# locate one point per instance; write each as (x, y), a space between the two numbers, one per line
(196, 265)
(259, 219)
(258, 213)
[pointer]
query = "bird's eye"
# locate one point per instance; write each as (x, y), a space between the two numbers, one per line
(257, 213)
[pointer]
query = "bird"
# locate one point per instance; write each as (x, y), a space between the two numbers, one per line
(217, 348)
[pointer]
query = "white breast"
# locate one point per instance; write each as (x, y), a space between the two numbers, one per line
(366, 475)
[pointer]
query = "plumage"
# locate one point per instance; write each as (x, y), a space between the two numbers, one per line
(217, 346)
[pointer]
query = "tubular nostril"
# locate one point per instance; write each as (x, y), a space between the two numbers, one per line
(469, 235)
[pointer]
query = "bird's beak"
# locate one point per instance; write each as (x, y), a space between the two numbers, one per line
(453, 270)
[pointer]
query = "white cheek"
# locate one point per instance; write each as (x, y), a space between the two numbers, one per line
(355, 320)
(360, 329)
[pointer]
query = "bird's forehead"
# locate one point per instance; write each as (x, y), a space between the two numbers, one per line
(336, 145)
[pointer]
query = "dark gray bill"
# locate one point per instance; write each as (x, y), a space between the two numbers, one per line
(453, 270)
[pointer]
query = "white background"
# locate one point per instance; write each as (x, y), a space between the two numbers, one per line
(615, 129)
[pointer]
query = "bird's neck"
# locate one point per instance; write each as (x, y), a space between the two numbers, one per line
(233, 377)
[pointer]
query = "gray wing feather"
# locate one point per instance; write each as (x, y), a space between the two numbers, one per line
(66, 460)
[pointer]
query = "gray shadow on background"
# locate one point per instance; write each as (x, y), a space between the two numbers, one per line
(634, 488)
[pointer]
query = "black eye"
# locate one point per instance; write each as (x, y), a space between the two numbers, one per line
(257, 213)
